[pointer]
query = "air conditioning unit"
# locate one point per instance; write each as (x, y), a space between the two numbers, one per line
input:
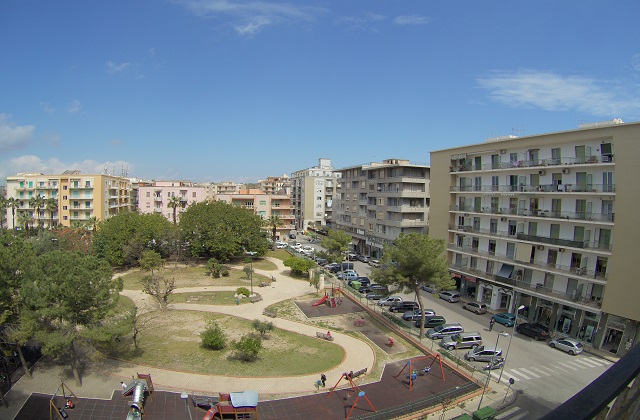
(540, 247)
(503, 219)
(542, 172)
(561, 250)
(503, 151)
(566, 171)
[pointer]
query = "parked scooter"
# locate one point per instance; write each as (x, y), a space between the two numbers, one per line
(496, 364)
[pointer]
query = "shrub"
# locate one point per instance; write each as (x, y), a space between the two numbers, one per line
(214, 268)
(247, 348)
(262, 327)
(243, 291)
(213, 338)
(225, 272)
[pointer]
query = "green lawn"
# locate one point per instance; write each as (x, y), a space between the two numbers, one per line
(207, 298)
(172, 340)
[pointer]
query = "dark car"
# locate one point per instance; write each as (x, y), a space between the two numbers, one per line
(373, 287)
(377, 292)
(537, 331)
(364, 281)
(416, 315)
(404, 306)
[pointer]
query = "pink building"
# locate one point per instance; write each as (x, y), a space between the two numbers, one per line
(158, 197)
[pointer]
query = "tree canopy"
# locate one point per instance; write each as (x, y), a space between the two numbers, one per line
(336, 243)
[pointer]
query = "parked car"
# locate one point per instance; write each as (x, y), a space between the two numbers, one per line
(363, 258)
(346, 266)
(376, 294)
(363, 281)
(321, 261)
(570, 345)
(483, 354)
(431, 321)
(477, 307)
(281, 245)
(374, 287)
(429, 289)
(332, 266)
(308, 248)
(537, 331)
(416, 315)
(374, 263)
(440, 331)
(505, 319)
(404, 306)
(466, 340)
(388, 301)
(450, 296)
(348, 275)
(352, 256)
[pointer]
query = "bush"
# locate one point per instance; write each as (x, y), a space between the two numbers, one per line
(248, 347)
(243, 291)
(213, 338)
(214, 268)
(262, 327)
(225, 272)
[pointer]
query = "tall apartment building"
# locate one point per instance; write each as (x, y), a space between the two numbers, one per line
(226, 187)
(312, 194)
(379, 201)
(276, 184)
(264, 205)
(80, 197)
(530, 221)
(157, 197)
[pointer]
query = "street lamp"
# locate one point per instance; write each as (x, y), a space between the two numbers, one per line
(515, 323)
(502, 334)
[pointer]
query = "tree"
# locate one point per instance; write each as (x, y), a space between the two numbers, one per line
(413, 261)
(26, 219)
(213, 337)
(336, 243)
(73, 239)
(92, 224)
(214, 268)
(51, 205)
(263, 327)
(220, 230)
(150, 261)
(69, 296)
(247, 348)
(37, 203)
(160, 288)
(4, 204)
(174, 203)
(299, 265)
(274, 222)
(14, 203)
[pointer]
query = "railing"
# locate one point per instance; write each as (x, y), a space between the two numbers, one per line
(567, 215)
(407, 208)
(559, 268)
(602, 188)
(588, 160)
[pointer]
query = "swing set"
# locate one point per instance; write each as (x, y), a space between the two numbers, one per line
(349, 377)
(66, 393)
(413, 372)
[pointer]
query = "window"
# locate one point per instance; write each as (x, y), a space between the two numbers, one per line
(193, 194)
(263, 202)
(148, 194)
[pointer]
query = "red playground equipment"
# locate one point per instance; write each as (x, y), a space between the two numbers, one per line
(413, 372)
(322, 300)
(236, 405)
(361, 394)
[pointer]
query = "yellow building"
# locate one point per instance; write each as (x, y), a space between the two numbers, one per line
(529, 221)
(78, 198)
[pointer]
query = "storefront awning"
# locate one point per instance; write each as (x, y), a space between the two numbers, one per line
(505, 271)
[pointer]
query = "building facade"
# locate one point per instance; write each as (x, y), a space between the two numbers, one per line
(379, 201)
(226, 187)
(312, 195)
(79, 198)
(530, 222)
(276, 184)
(159, 197)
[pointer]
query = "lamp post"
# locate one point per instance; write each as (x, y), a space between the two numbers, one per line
(502, 334)
(515, 323)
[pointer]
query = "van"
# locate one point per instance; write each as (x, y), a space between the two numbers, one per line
(450, 296)
(444, 330)
(465, 340)
(431, 321)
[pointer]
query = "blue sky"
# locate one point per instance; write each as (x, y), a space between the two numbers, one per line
(213, 90)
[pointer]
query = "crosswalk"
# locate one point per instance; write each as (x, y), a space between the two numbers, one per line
(513, 413)
(529, 373)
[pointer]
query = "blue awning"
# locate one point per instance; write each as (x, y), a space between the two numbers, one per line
(505, 271)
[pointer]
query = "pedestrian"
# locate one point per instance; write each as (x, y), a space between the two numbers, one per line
(323, 378)
(493, 321)
(329, 335)
(123, 385)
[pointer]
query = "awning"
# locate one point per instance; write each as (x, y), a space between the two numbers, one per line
(355, 241)
(505, 271)
(523, 252)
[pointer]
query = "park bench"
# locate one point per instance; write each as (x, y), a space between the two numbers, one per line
(256, 298)
(269, 313)
(324, 336)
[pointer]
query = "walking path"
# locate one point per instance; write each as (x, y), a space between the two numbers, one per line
(100, 382)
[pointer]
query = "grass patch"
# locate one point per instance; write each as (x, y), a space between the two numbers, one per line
(280, 254)
(168, 342)
(207, 298)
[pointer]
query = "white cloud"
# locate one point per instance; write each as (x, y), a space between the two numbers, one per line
(635, 62)
(113, 68)
(46, 107)
(411, 20)
(75, 106)
(14, 136)
(32, 163)
(366, 21)
(249, 17)
(554, 92)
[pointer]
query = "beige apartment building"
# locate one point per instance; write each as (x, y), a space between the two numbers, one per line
(275, 184)
(158, 197)
(226, 187)
(79, 197)
(547, 222)
(312, 194)
(379, 201)
(264, 205)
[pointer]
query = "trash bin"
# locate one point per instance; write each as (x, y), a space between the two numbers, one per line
(485, 413)
(355, 285)
(464, 416)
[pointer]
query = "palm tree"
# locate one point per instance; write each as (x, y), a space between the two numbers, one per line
(274, 222)
(14, 203)
(4, 204)
(25, 218)
(92, 223)
(37, 203)
(174, 203)
(51, 205)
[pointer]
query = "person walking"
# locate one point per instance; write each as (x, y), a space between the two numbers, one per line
(323, 379)
(493, 321)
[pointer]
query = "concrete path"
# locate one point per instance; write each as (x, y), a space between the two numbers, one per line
(100, 381)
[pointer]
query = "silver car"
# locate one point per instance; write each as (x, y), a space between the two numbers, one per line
(483, 354)
(570, 345)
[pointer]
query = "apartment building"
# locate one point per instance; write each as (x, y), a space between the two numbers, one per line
(158, 197)
(226, 187)
(530, 222)
(78, 198)
(275, 184)
(264, 205)
(312, 194)
(377, 202)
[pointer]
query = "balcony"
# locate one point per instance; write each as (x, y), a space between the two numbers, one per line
(532, 189)
(157, 199)
(565, 270)
(588, 160)
(404, 223)
(407, 209)
(541, 213)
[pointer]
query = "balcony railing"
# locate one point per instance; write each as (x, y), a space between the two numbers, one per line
(579, 272)
(572, 188)
(588, 160)
(407, 209)
(568, 215)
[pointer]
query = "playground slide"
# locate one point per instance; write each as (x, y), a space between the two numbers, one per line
(321, 301)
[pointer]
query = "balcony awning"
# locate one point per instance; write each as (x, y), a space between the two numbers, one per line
(505, 271)
(523, 252)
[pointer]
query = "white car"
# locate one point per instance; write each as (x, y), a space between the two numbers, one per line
(297, 246)
(308, 248)
(389, 300)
